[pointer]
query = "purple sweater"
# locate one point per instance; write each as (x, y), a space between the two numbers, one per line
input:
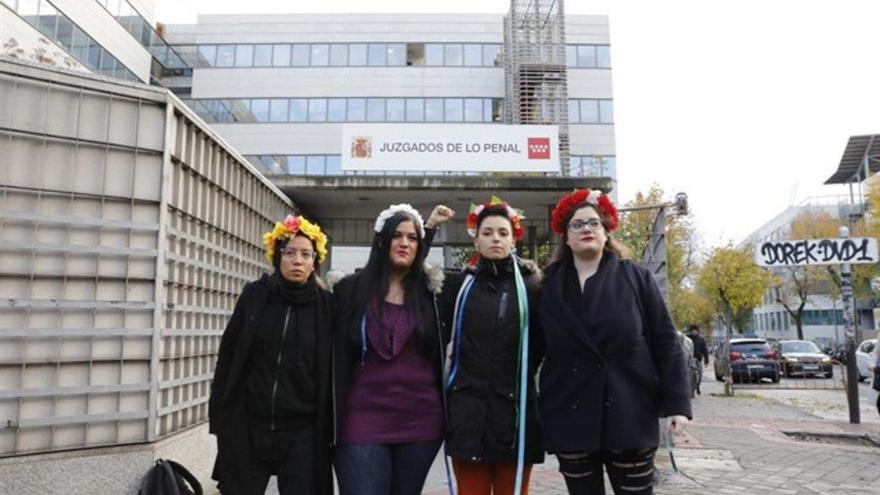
(394, 397)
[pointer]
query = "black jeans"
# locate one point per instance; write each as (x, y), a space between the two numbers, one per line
(384, 469)
(631, 472)
(288, 454)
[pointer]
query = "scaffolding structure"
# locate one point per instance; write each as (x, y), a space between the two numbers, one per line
(535, 71)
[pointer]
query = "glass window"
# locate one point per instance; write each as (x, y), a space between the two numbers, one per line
(589, 112)
(336, 110)
(64, 34)
(454, 111)
(603, 56)
(492, 55)
(281, 55)
(434, 110)
(244, 55)
(606, 111)
(225, 55)
(394, 110)
(574, 114)
(260, 109)
(48, 18)
(300, 55)
(338, 54)
(453, 54)
(415, 54)
(357, 110)
(320, 55)
(79, 44)
(497, 109)
(473, 109)
(317, 110)
(315, 165)
(334, 165)
(299, 110)
(473, 55)
(396, 54)
(108, 64)
(207, 55)
(376, 110)
(357, 55)
(586, 56)
(377, 54)
(278, 112)
(262, 55)
(487, 110)
(296, 164)
(240, 110)
(433, 54)
(415, 110)
(94, 59)
(571, 55)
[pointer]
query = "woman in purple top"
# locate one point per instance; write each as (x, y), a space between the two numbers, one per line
(388, 361)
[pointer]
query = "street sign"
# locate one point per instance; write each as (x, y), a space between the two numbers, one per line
(817, 252)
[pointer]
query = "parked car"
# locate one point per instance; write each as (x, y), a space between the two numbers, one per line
(750, 359)
(865, 359)
(802, 357)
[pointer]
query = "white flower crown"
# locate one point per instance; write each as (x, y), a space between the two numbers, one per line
(404, 208)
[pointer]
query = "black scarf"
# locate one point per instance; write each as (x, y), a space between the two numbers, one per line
(294, 293)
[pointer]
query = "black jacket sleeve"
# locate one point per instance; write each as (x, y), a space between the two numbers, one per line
(667, 354)
(224, 359)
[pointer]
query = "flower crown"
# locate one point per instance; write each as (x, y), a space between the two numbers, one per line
(568, 202)
(513, 215)
(399, 208)
(289, 228)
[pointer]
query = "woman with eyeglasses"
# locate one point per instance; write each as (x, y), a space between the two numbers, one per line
(270, 404)
(612, 365)
(388, 360)
(492, 432)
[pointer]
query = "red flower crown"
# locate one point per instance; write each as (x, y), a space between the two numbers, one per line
(568, 202)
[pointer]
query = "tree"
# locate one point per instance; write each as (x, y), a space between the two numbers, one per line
(734, 284)
(692, 307)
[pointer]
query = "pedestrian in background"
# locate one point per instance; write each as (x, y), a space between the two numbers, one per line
(492, 431)
(613, 363)
(270, 397)
(701, 350)
(389, 349)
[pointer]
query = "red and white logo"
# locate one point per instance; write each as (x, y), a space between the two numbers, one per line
(539, 148)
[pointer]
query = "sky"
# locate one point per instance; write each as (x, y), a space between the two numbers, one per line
(745, 105)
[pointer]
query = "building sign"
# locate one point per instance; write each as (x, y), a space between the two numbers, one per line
(450, 147)
(817, 252)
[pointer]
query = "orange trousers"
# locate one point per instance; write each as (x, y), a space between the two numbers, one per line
(487, 478)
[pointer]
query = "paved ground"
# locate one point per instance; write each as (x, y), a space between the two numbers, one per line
(739, 446)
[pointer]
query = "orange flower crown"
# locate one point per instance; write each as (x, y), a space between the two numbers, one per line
(513, 215)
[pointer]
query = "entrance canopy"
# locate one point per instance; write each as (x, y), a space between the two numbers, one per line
(860, 158)
(347, 206)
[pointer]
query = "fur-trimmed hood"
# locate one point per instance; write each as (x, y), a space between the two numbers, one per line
(433, 274)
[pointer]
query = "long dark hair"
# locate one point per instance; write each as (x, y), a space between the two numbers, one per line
(563, 251)
(373, 280)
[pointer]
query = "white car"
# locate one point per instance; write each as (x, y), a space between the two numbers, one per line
(866, 359)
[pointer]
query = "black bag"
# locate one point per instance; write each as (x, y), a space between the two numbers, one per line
(169, 478)
(876, 383)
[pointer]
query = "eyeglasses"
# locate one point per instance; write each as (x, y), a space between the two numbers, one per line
(295, 253)
(580, 225)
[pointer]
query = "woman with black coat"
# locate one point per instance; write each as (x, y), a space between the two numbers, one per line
(388, 362)
(613, 365)
(270, 404)
(492, 432)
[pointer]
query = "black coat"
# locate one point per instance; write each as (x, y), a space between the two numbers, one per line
(607, 375)
(701, 350)
(483, 397)
(226, 407)
(346, 352)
